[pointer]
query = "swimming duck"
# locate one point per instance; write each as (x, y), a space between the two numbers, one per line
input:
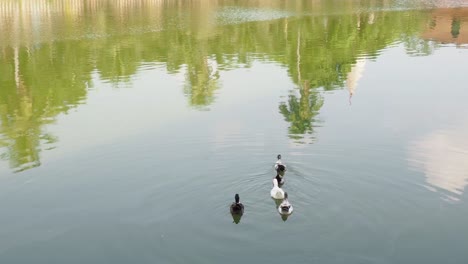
(276, 192)
(285, 208)
(237, 208)
(280, 179)
(279, 164)
(280, 170)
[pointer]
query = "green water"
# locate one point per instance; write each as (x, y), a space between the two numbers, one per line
(126, 128)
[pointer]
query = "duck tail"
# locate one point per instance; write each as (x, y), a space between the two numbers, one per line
(279, 194)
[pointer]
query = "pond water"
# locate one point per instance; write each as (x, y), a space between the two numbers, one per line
(127, 127)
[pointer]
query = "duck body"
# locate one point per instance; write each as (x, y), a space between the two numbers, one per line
(280, 170)
(276, 192)
(279, 179)
(279, 165)
(285, 208)
(237, 208)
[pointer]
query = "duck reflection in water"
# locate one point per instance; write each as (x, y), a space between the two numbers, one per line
(237, 209)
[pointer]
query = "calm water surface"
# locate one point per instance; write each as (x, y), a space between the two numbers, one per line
(128, 126)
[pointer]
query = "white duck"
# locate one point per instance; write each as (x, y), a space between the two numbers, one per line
(276, 192)
(285, 208)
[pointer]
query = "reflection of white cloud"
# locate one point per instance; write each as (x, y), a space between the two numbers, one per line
(354, 75)
(443, 157)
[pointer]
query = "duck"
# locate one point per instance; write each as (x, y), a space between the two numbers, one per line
(280, 170)
(276, 192)
(279, 164)
(237, 208)
(285, 208)
(280, 179)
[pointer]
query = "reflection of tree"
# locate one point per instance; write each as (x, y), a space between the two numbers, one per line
(446, 26)
(201, 82)
(44, 77)
(455, 29)
(36, 86)
(321, 51)
(301, 112)
(201, 73)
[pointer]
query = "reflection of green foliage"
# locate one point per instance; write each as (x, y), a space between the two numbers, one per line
(41, 81)
(201, 80)
(301, 112)
(417, 47)
(116, 61)
(328, 46)
(36, 86)
(455, 29)
(320, 52)
(200, 86)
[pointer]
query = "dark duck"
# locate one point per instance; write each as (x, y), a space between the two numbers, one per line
(237, 208)
(280, 170)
